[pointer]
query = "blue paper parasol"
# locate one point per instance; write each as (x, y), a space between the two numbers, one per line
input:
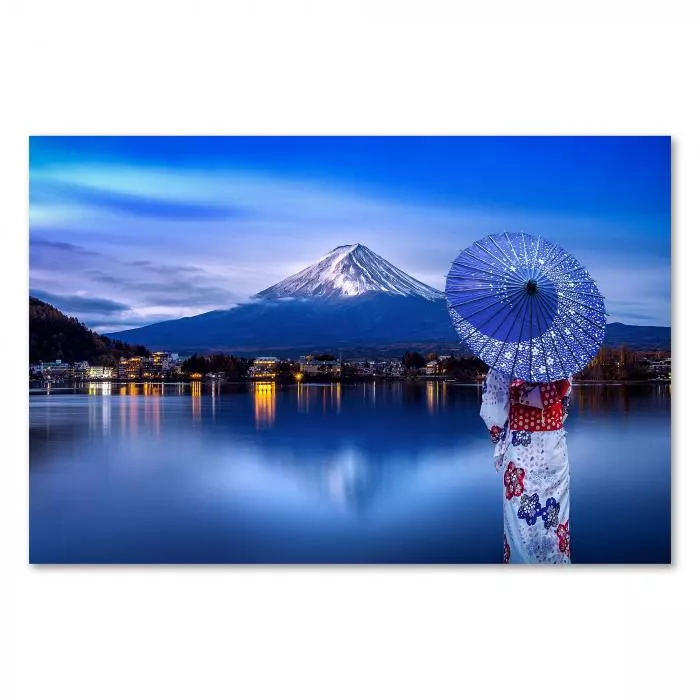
(526, 307)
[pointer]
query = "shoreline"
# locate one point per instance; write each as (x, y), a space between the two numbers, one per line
(42, 387)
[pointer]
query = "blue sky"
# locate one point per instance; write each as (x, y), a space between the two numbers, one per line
(125, 231)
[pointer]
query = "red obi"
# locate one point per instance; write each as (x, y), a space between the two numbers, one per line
(539, 409)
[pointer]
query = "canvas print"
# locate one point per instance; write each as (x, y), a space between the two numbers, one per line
(349, 350)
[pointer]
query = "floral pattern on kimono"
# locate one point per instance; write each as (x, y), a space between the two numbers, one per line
(563, 535)
(526, 425)
(550, 513)
(521, 437)
(513, 481)
(529, 509)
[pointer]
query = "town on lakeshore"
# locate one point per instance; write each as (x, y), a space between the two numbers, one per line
(611, 364)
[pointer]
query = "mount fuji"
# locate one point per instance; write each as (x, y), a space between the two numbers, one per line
(351, 300)
(348, 271)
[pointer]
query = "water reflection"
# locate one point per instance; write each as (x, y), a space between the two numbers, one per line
(303, 404)
(618, 398)
(264, 402)
(100, 413)
(106, 414)
(124, 477)
(152, 407)
(344, 478)
(133, 411)
(435, 396)
(100, 388)
(430, 398)
(196, 390)
(303, 398)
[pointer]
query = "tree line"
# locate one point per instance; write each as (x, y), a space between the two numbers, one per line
(55, 336)
(621, 363)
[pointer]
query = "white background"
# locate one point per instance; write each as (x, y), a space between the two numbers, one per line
(334, 68)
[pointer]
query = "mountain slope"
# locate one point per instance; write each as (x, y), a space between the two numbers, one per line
(347, 271)
(55, 336)
(351, 300)
(304, 324)
(642, 337)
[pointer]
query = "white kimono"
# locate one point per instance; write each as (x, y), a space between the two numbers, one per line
(535, 468)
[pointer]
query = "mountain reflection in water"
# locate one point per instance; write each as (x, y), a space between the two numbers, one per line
(374, 472)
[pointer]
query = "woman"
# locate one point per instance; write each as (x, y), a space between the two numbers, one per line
(526, 425)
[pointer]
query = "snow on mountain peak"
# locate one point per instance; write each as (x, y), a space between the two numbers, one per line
(348, 271)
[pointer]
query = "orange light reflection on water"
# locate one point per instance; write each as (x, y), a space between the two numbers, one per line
(431, 396)
(264, 404)
(152, 405)
(197, 401)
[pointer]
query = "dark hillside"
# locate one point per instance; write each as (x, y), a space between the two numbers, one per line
(55, 336)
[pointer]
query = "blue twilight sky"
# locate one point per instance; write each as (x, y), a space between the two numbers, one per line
(125, 231)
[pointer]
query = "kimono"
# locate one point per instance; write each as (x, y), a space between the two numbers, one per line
(526, 424)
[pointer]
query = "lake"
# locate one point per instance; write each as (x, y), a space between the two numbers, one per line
(374, 472)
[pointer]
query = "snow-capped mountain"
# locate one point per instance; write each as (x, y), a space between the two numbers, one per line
(350, 299)
(348, 271)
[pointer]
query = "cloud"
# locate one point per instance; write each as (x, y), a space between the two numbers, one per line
(240, 232)
(79, 304)
(165, 268)
(114, 293)
(177, 293)
(61, 246)
(43, 193)
(102, 325)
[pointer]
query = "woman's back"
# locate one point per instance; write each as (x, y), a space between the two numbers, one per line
(526, 423)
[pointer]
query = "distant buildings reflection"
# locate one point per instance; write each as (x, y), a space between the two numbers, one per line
(303, 403)
(431, 396)
(264, 404)
(435, 396)
(152, 406)
(197, 401)
(616, 398)
(142, 403)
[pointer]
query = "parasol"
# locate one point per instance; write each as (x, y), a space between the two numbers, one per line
(526, 307)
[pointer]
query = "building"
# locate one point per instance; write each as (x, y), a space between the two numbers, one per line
(150, 369)
(264, 368)
(363, 367)
(319, 368)
(172, 364)
(432, 367)
(130, 369)
(53, 371)
(661, 368)
(156, 365)
(101, 373)
(396, 368)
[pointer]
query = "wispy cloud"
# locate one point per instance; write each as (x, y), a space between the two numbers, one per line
(47, 193)
(118, 293)
(62, 246)
(80, 304)
(174, 242)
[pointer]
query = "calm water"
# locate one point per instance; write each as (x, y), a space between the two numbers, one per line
(367, 473)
